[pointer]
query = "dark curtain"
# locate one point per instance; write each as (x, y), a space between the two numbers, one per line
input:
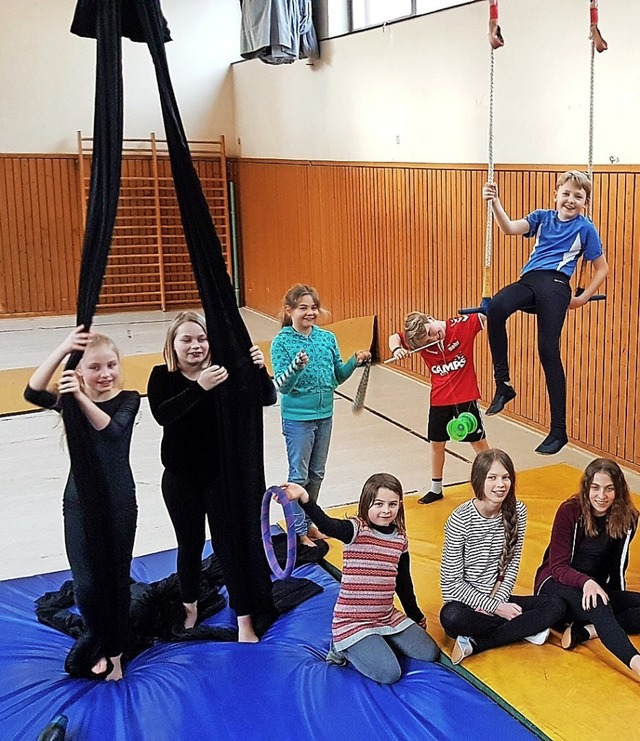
(240, 398)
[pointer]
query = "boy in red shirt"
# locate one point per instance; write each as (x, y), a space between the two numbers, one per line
(447, 349)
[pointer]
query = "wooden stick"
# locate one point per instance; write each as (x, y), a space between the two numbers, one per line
(393, 359)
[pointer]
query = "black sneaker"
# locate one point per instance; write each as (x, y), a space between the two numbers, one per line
(504, 394)
(430, 497)
(553, 443)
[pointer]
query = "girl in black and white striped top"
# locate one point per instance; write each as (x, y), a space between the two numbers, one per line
(480, 562)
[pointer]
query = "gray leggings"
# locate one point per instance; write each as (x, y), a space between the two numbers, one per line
(375, 655)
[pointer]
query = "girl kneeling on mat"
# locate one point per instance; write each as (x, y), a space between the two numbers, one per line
(480, 562)
(586, 561)
(368, 631)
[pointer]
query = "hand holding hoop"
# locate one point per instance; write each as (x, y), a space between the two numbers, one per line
(275, 492)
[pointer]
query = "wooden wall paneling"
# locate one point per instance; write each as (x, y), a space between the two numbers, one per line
(6, 284)
(25, 277)
(615, 428)
(402, 237)
(33, 219)
(632, 278)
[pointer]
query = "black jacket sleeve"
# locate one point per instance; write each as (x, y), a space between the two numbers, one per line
(334, 527)
(167, 400)
(404, 589)
(124, 416)
(268, 389)
(44, 399)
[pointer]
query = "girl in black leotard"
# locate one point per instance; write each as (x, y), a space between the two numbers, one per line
(111, 413)
(182, 397)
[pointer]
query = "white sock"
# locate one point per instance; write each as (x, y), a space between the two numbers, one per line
(436, 486)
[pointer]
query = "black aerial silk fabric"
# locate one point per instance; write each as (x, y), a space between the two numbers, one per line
(157, 612)
(240, 398)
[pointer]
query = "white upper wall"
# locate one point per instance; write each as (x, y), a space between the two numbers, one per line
(424, 83)
(47, 74)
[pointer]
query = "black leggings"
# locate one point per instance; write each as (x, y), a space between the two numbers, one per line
(235, 537)
(547, 291)
(104, 607)
(491, 631)
(613, 622)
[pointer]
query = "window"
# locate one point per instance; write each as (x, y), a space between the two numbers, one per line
(374, 12)
(367, 13)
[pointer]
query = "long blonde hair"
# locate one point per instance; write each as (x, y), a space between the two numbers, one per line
(168, 351)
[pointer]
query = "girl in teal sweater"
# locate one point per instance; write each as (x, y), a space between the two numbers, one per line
(307, 367)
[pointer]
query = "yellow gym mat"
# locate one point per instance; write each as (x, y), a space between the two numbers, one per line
(568, 695)
(135, 374)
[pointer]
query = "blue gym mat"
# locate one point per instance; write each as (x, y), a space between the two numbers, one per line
(279, 689)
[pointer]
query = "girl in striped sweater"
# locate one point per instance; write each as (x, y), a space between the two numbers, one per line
(368, 631)
(480, 562)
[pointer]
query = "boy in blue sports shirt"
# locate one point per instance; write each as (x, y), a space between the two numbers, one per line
(561, 237)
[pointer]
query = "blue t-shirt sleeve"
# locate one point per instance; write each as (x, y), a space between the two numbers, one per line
(534, 219)
(592, 243)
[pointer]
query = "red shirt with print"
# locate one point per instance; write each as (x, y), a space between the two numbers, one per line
(450, 362)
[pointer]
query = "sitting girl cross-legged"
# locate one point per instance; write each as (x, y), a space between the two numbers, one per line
(368, 631)
(480, 562)
(586, 561)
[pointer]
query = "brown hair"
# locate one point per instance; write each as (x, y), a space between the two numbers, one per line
(414, 328)
(578, 178)
(370, 491)
(622, 515)
(292, 298)
(168, 351)
(479, 470)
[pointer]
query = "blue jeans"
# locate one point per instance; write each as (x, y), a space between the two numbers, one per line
(307, 450)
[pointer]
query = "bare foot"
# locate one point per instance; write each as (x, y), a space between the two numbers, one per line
(100, 666)
(305, 540)
(191, 610)
(246, 633)
(116, 672)
(591, 630)
(315, 534)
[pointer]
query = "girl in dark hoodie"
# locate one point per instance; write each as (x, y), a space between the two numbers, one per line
(586, 560)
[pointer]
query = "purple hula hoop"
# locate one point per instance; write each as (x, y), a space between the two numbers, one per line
(267, 542)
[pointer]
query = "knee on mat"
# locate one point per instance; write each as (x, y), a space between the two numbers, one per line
(388, 676)
(450, 616)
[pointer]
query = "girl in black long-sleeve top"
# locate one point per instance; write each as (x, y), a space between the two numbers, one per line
(182, 400)
(111, 413)
(585, 562)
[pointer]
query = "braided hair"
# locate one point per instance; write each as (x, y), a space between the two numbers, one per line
(479, 470)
